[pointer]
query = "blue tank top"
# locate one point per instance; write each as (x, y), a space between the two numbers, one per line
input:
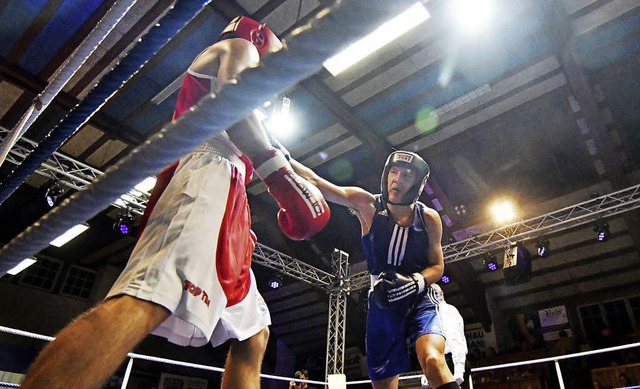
(389, 246)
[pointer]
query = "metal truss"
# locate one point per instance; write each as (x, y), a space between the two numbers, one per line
(336, 328)
(70, 173)
(357, 282)
(600, 207)
(292, 267)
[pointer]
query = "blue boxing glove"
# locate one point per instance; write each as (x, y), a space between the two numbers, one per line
(392, 287)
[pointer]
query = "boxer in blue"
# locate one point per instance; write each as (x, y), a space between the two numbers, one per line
(401, 242)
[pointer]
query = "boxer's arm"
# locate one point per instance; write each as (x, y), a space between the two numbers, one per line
(225, 60)
(434, 272)
(350, 196)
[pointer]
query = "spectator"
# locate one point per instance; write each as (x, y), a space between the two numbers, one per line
(571, 371)
(302, 374)
(605, 339)
(597, 385)
(624, 381)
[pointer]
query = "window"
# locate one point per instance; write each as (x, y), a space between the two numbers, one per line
(591, 320)
(622, 315)
(42, 274)
(78, 282)
(634, 305)
(617, 317)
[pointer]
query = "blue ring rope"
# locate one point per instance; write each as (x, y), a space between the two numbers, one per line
(305, 51)
(154, 40)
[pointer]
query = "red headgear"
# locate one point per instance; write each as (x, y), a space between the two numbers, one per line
(259, 34)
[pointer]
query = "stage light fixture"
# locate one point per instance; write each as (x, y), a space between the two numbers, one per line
(490, 261)
(542, 244)
(54, 191)
(516, 265)
(363, 300)
(445, 277)
(276, 282)
(601, 228)
(124, 223)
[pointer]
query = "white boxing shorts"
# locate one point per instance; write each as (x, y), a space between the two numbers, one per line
(194, 255)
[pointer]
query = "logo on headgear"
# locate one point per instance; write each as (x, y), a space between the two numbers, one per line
(257, 38)
(402, 157)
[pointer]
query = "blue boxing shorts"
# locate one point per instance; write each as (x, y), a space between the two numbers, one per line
(392, 332)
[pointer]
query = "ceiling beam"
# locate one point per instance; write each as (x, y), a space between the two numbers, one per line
(37, 25)
(31, 84)
(76, 40)
(138, 29)
(560, 30)
(344, 113)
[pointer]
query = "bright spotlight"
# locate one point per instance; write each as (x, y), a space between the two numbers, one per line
(472, 15)
(281, 123)
(503, 211)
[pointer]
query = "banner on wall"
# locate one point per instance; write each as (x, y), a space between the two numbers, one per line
(554, 316)
(478, 340)
(552, 321)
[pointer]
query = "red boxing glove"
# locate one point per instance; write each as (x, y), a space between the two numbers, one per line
(303, 210)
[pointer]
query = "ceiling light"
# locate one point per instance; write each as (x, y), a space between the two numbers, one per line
(543, 247)
(601, 228)
(146, 185)
(69, 235)
(472, 15)
(503, 211)
(490, 261)
(281, 123)
(384, 34)
(25, 263)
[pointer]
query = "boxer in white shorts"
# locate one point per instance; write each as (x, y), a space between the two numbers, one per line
(189, 277)
(198, 267)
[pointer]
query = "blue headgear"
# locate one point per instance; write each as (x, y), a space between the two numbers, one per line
(410, 160)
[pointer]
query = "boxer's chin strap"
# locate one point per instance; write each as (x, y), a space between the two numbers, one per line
(401, 203)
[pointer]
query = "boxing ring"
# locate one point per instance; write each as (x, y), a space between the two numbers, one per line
(330, 384)
(306, 49)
